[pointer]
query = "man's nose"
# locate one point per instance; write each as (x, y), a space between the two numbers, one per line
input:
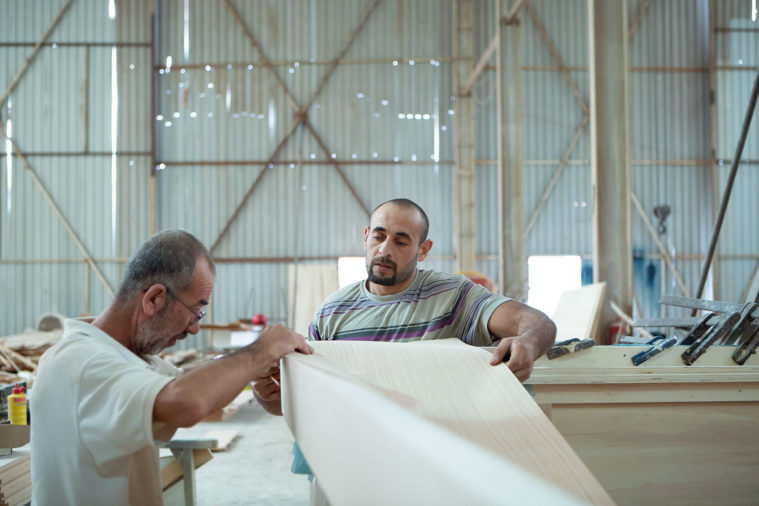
(386, 249)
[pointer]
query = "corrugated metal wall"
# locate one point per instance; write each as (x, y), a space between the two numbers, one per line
(386, 114)
(61, 117)
(738, 61)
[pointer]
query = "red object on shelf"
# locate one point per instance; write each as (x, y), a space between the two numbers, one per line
(259, 319)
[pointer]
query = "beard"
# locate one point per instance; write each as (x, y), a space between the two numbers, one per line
(150, 338)
(398, 276)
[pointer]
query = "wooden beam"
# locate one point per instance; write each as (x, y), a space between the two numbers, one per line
(610, 154)
(338, 169)
(464, 140)
(264, 59)
(562, 163)
(300, 112)
(483, 61)
(45, 193)
(510, 120)
(555, 54)
(34, 52)
(255, 184)
(341, 53)
(481, 64)
(662, 249)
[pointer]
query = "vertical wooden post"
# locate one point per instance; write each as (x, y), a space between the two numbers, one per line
(714, 168)
(153, 85)
(513, 277)
(610, 157)
(464, 135)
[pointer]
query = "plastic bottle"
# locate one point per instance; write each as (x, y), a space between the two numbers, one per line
(17, 406)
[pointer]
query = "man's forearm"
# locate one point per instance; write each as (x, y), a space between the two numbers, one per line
(513, 319)
(201, 391)
(538, 327)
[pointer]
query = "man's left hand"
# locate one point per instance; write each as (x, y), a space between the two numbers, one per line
(520, 354)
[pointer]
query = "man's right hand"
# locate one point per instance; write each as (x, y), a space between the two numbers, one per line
(267, 388)
(275, 342)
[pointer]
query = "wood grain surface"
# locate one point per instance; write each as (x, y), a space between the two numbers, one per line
(450, 393)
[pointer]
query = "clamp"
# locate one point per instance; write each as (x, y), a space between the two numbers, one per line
(569, 346)
(721, 328)
(659, 344)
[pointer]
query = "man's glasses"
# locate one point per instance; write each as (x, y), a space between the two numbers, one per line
(198, 316)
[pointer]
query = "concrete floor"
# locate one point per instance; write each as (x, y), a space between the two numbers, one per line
(254, 470)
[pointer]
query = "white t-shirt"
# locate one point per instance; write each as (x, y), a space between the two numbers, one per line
(92, 422)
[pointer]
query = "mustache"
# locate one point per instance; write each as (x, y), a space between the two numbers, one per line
(384, 261)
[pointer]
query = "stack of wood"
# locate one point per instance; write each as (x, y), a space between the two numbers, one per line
(19, 361)
(15, 480)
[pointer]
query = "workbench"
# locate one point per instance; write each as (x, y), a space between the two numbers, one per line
(662, 432)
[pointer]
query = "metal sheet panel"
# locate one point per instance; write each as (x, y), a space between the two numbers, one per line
(366, 114)
(84, 20)
(108, 223)
(737, 44)
(670, 34)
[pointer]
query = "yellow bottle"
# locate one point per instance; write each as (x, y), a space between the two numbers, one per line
(17, 406)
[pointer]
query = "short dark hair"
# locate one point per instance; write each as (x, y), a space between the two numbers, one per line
(411, 204)
(167, 258)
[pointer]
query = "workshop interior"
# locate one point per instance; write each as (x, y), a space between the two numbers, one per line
(596, 160)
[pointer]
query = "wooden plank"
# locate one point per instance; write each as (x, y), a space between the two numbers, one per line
(435, 438)
(660, 433)
(172, 472)
(632, 393)
(658, 453)
(619, 357)
(13, 471)
(17, 484)
(578, 312)
(23, 496)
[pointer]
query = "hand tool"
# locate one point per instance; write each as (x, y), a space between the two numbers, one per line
(700, 328)
(708, 305)
(749, 312)
(569, 346)
(682, 321)
(659, 344)
(718, 330)
(747, 349)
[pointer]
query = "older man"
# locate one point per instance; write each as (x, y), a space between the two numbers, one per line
(103, 400)
(398, 302)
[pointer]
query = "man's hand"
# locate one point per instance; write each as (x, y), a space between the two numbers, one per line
(526, 334)
(268, 388)
(520, 353)
(275, 342)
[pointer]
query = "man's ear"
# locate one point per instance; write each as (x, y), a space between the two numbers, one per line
(366, 235)
(154, 299)
(424, 248)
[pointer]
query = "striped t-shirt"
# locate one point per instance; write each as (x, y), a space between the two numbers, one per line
(435, 306)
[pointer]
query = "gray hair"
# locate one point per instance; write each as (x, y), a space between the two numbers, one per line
(167, 258)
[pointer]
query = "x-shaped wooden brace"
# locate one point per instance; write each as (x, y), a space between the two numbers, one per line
(578, 132)
(301, 113)
(40, 185)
